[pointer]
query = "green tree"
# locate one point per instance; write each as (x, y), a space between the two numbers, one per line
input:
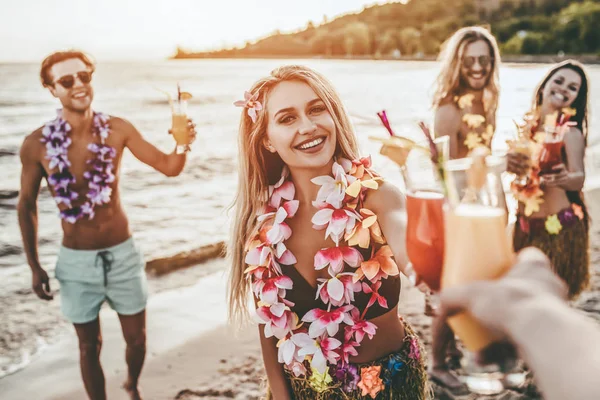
(320, 43)
(357, 39)
(387, 43)
(533, 43)
(409, 40)
(513, 45)
(579, 24)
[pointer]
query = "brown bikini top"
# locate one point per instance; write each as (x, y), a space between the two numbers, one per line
(303, 295)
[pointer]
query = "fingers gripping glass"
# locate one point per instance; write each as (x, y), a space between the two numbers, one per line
(68, 81)
(484, 61)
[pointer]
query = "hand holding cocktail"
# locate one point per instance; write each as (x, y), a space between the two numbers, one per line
(456, 234)
(182, 127)
(424, 201)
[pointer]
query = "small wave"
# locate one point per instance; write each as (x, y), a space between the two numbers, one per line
(9, 250)
(194, 100)
(6, 152)
(8, 206)
(9, 202)
(8, 194)
(24, 358)
(14, 104)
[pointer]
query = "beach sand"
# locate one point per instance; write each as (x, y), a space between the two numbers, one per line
(194, 354)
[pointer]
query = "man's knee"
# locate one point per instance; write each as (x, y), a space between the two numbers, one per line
(90, 347)
(137, 341)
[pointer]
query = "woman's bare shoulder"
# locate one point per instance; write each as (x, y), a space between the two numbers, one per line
(387, 198)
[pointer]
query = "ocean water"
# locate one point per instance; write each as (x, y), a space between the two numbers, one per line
(169, 215)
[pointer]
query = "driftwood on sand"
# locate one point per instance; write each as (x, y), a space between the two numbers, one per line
(161, 266)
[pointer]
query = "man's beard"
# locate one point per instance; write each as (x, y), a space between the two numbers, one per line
(481, 82)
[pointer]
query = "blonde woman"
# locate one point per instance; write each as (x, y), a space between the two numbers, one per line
(316, 239)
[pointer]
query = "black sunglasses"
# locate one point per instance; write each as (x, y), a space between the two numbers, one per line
(484, 61)
(68, 81)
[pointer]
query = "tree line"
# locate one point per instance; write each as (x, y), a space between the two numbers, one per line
(419, 27)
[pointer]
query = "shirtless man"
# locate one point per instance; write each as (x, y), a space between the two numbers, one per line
(465, 103)
(79, 154)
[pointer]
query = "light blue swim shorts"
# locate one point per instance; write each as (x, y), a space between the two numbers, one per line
(89, 277)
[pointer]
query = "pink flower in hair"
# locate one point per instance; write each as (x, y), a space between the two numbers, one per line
(251, 103)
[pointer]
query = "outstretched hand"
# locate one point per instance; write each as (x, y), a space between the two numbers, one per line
(494, 302)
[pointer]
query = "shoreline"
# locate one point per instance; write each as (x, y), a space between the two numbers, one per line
(32, 327)
(508, 58)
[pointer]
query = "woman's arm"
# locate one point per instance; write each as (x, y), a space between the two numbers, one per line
(572, 177)
(278, 384)
(388, 204)
(275, 375)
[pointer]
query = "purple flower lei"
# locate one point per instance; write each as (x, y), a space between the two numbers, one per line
(56, 138)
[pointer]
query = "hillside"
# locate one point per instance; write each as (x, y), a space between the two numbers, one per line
(419, 27)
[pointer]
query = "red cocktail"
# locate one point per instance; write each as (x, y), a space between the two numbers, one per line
(550, 156)
(425, 235)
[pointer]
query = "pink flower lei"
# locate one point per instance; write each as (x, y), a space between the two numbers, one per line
(55, 135)
(324, 337)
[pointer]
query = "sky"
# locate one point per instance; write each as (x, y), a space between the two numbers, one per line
(150, 29)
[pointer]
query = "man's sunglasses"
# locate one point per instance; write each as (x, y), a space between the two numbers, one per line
(68, 81)
(484, 61)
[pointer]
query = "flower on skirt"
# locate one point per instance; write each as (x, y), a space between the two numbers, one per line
(553, 225)
(347, 376)
(320, 382)
(567, 217)
(370, 382)
(578, 211)
(395, 365)
(415, 352)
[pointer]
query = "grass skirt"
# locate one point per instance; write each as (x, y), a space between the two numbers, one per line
(408, 383)
(568, 250)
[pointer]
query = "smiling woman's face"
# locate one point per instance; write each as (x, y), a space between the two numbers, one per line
(300, 128)
(562, 89)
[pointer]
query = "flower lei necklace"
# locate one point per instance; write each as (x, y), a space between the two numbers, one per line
(312, 341)
(55, 135)
(473, 122)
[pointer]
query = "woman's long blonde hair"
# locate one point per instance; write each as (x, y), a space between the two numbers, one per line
(448, 82)
(258, 168)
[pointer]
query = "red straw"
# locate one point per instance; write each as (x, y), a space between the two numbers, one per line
(386, 123)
